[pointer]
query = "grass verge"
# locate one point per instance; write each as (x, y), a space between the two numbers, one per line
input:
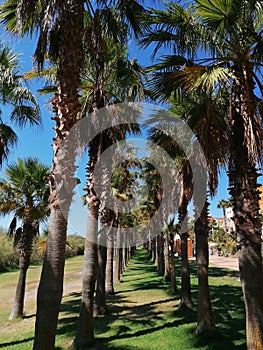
(143, 314)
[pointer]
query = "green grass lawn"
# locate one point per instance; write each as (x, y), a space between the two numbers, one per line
(143, 314)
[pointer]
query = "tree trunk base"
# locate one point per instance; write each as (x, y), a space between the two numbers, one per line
(100, 310)
(14, 315)
(110, 292)
(207, 331)
(185, 305)
(75, 346)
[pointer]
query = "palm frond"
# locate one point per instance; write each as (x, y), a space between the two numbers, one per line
(22, 115)
(12, 228)
(17, 236)
(218, 15)
(8, 139)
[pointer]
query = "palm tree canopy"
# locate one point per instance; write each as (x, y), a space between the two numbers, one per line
(223, 203)
(211, 43)
(24, 191)
(30, 16)
(13, 93)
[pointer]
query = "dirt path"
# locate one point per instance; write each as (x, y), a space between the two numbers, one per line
(224, 262)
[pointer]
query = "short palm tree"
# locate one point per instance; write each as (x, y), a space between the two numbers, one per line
(24, 193)
(15, 95)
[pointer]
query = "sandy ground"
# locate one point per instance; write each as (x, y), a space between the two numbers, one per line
(224, 262)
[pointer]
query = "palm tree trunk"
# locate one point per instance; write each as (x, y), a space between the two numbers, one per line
(173, 269)
(18, 307)
(153, 249)
(161, 254)
(205, 319)
(123, 258)
(26, 242)
(109, 270)
(66, 106)
(85, 330)
(186, 301)
(100, 307)
(167, 270)
(51, 282)
(243, 188)
(118, 254)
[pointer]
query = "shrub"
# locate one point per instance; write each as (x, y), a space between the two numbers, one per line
(75, 245)
(9, 257)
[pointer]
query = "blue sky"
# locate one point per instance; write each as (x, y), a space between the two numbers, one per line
(37, 142)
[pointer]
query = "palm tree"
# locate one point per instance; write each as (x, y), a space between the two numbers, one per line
(229, 37)
(185, 196)
(224, 204)
(60, 32)
(60, 28)
(102, 72)
(13, 93)
(24, 192)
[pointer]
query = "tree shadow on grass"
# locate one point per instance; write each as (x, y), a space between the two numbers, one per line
(68, 323)
(140, 320)
(228, 310)
(222, 272)
(16, 342)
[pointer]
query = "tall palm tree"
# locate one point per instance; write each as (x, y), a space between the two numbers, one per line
(15, 95)
(102, 73)
(60, 32)
(228, 35)
(60, 27)
(185, 196)
(24, 193)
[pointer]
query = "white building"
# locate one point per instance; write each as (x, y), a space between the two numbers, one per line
(230, 225)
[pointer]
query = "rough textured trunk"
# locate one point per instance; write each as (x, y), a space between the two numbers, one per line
(167, 270)
(186, 184)
(100, 307)
(118, 261)
(50, 289)
(205, 319)
(18, 307)
(85, 330)
(66, 107)
(26, 242)
(109, 270)
(173, 269)
(160, 267)
(243, 188)
(186, 301)
(153, 249)
(123, 258)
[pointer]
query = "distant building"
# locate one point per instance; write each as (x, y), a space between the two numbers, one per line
(229, 225)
